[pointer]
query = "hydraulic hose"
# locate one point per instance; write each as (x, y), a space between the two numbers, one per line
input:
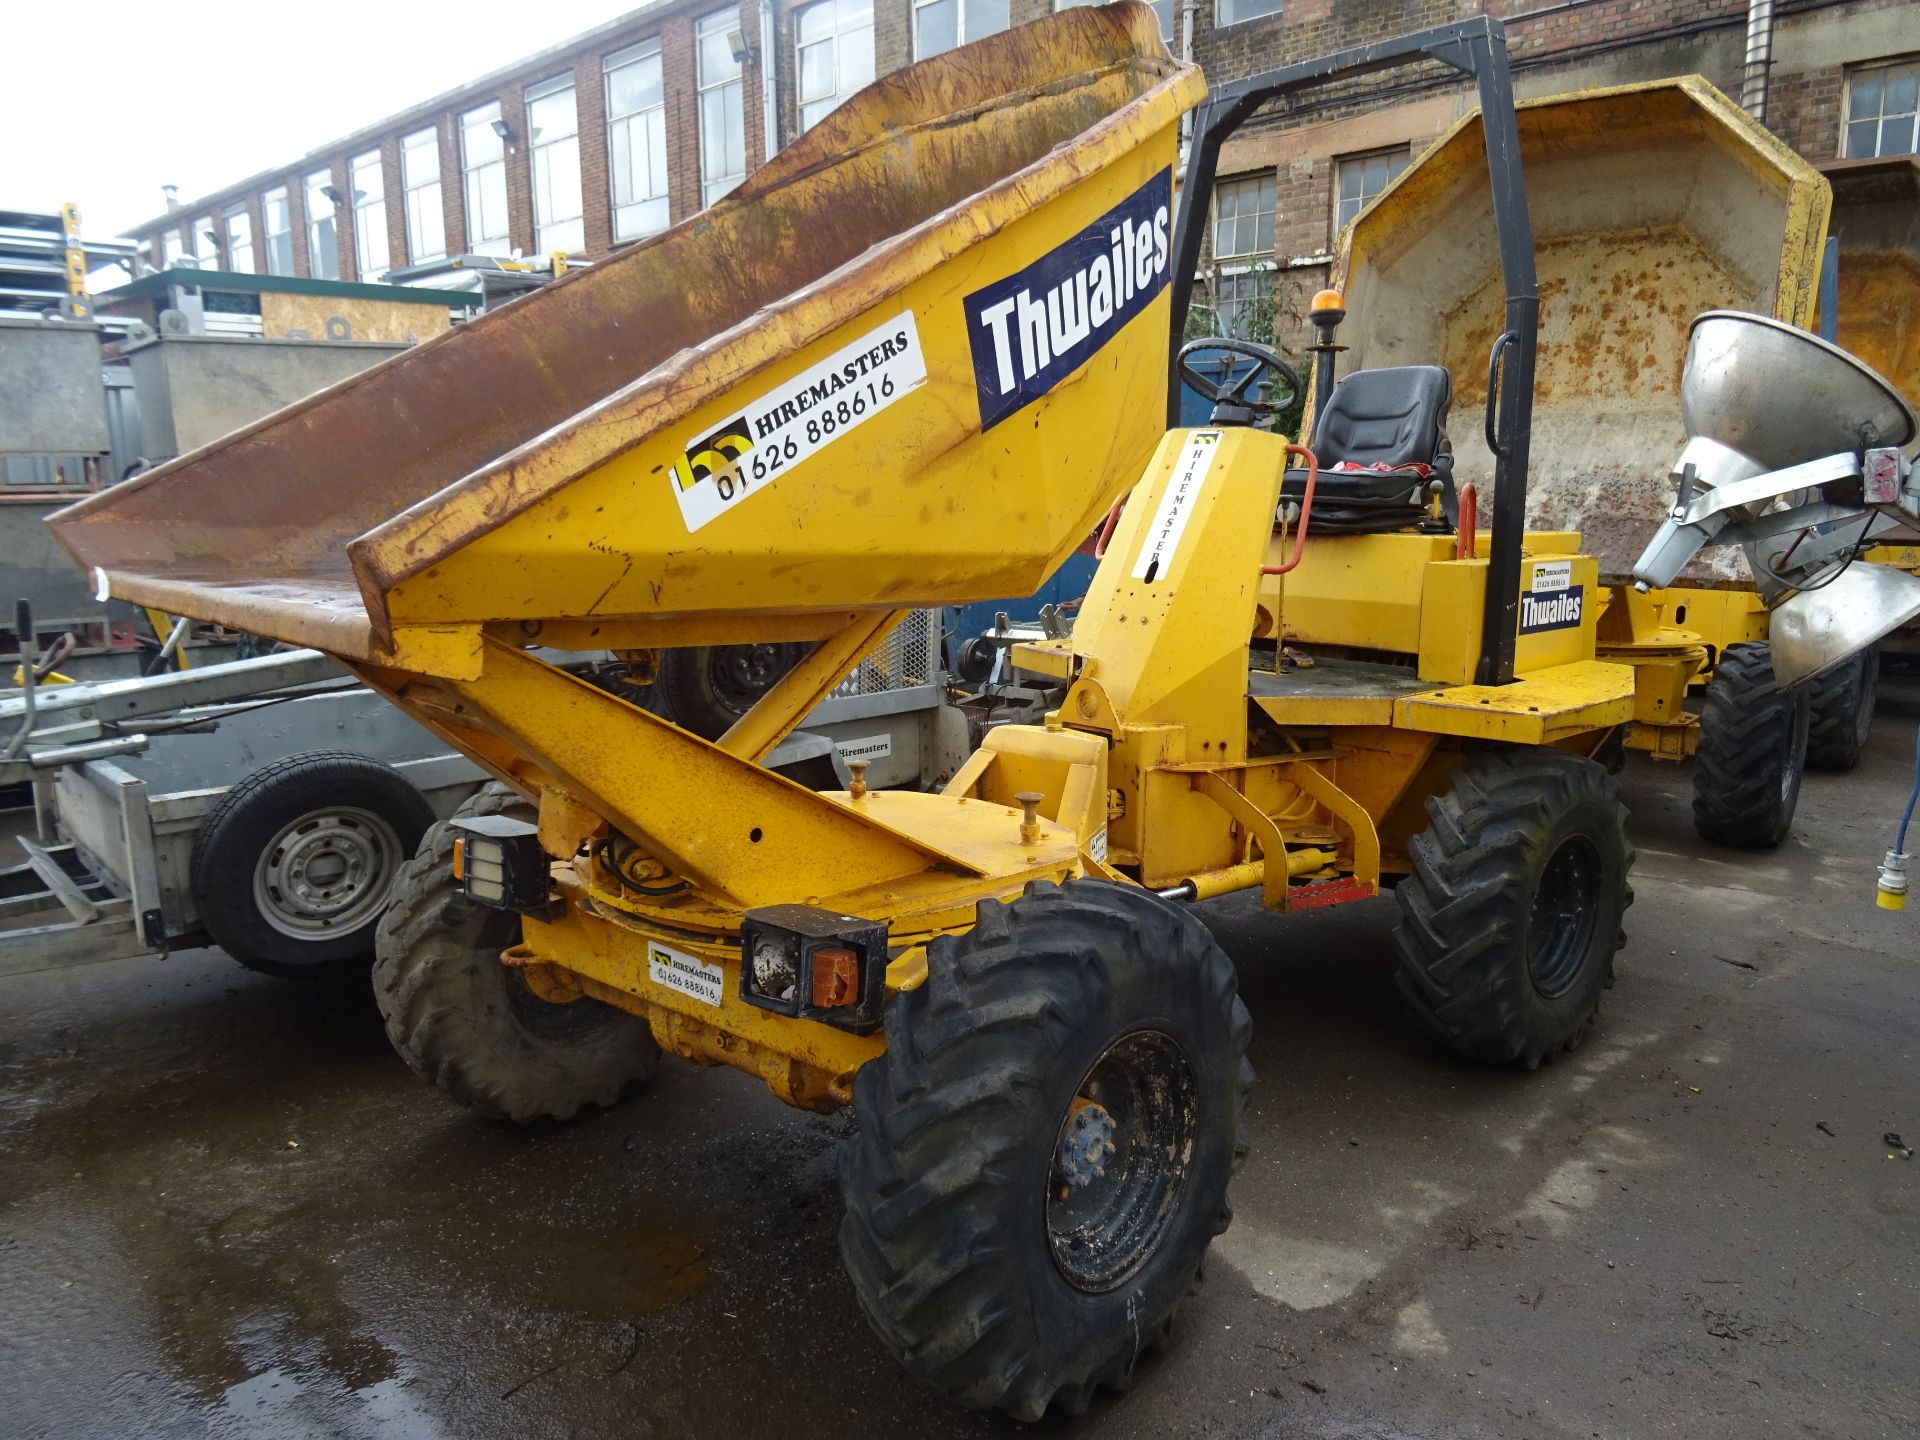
(1892, 890)
(1913, 797)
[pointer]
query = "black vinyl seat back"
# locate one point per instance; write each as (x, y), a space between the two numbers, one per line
(1394, 417)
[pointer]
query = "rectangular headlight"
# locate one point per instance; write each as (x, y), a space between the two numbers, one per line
(814, 964)
(499, 861)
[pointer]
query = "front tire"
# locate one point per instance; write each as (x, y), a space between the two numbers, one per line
(1511, 917)
(1840, 716)
(1752, 752)
(1043, 1152)
(471, 1025)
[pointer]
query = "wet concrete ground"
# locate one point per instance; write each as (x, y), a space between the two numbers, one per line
(226, 1208)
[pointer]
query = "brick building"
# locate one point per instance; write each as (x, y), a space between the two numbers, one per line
(1841, 88)
(613, 135)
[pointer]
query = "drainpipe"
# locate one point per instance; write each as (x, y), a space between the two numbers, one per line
(769, 88)
(1753, 78)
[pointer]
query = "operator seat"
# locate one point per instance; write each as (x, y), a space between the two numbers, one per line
(1388, 427)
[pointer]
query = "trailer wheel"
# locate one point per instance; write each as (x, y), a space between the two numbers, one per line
(293, 866)
(708, 687)
(1510, 919)
(1752, 753)
(1841, 712)
(1042, 1153)
(472, 1026)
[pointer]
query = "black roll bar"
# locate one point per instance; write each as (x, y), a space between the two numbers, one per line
(1476, 48)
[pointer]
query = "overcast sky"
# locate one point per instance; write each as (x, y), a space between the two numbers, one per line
(204, 94)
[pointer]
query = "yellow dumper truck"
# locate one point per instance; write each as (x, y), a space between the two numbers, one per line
(914, 360)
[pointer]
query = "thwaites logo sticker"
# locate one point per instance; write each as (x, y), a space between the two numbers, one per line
(797, 420)
(1036, 327)
(1552, 601)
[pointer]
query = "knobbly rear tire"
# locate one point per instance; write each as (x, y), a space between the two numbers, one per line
(1840, 718)
(471, 1025)
(1513, 912)
(978, 1268)
(1752, 752)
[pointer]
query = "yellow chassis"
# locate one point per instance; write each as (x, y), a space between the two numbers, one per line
(1173, 761)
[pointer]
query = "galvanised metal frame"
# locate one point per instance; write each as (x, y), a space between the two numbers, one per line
(1477, 48)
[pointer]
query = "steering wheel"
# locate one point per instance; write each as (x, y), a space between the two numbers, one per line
(1236, 394)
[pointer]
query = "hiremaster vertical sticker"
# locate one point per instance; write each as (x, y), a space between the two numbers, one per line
(1176, 505)
(796, 420)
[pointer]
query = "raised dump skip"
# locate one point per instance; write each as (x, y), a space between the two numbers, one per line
(910, 361)
(1650, 203)
(1876, 216)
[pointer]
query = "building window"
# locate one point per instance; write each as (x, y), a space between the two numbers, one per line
(278, 218)
(1164, 9)
(1232, 12)
(833, 52)
(637, 141)
(368, 177)
(1243, 240)
(420, 178)
(483, 161)
(942, 24)
(1240, 294)
(170, 250)
(1359, 179)
(553, 132)
(239, 240)
(323, 227)
(1881, 106)
(206, 243)
(1243, 216)
(723, 123)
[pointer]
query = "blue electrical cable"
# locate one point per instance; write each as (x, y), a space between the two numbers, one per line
(1913, 799)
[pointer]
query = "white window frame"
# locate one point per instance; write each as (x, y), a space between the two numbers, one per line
(1402, 153)
(729, 90)
(370, 245)
(1908, 63)
(962, 32)
(422, 198)
(321, 226)
(550, 156)
(484, 180)
(206, 242)
(1237, 183)
(172, 248)
(637, 129)
(844, 87)
(1220, 10)
(272, 238)
(1166, 11)
(242, 247)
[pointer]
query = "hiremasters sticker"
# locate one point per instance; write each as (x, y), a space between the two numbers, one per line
(1038, 325)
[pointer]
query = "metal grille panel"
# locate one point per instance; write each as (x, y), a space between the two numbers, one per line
(909, 656)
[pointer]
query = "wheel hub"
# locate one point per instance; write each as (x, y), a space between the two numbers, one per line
(1121, 1161)
(1086, 1144)
(326, 873)
(1560, 928)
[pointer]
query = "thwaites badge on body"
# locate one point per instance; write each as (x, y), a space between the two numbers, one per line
(1040, 324)
(1551, 601)
(797, 420)
(676, 971)
(1176, 505)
